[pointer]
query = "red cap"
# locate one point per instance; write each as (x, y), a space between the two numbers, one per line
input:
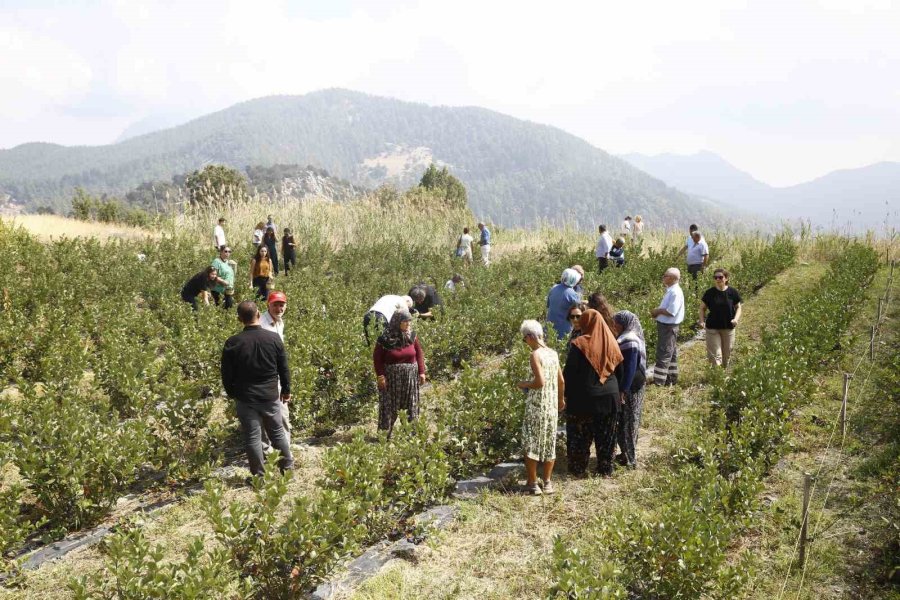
(277, 297)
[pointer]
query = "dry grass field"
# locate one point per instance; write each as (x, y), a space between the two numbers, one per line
(49, 227)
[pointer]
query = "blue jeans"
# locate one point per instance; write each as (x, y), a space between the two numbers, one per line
(254, 416)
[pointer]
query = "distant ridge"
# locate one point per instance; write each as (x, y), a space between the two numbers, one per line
(517, 172)
(849, 199)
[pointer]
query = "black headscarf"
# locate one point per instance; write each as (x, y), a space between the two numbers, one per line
(394, 338)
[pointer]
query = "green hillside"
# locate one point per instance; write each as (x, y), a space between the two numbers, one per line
(516, 172)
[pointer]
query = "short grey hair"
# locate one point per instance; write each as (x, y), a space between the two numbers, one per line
(674, 272)
(405, 302)
(532, 328)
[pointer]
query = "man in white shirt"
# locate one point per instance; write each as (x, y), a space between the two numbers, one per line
(273, 320)
(697, 254)
(604, 244)
(464, 246)
(669, 316)
(381, 312)
(689, 242)
(626, 225)
(219, 234)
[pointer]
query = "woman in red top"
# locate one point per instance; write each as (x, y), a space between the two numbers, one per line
(400, 367)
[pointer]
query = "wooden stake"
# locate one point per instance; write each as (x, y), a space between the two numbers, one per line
(880, 307)
(872, 345)
(847, 377)
(804, 523)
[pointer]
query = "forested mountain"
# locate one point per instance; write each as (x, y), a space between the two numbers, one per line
(517, 172)
(854, 199)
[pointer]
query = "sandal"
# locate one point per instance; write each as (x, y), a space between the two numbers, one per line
(534, 489)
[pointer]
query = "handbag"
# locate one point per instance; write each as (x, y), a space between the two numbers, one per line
(460, 250)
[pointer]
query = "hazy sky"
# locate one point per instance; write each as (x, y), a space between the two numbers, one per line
(787, 90)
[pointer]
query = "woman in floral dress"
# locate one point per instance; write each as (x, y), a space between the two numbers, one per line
(542, 405)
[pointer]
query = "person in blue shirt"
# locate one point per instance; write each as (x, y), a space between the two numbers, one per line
(561, 298)
(617, 253)
(485, 243)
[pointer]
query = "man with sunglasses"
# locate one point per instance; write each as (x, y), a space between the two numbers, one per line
(224, 285)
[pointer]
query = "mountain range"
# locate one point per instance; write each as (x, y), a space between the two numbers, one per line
(849, 199)
(516, 172)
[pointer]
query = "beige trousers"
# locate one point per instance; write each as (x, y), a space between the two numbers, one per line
(719, 343)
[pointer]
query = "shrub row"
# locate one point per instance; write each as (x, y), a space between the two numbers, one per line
(276, 547)
(681, 549)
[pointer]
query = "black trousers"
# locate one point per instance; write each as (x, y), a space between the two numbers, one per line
(602, 263)
(191, 301)
(290, 260)
(581, 432)
(262, 287)
(229, 299)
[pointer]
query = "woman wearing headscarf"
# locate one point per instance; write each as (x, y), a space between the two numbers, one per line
(592, 395)
(562, 297)
(400, 369)
(631, 375)
(544, 401)
(575, 319)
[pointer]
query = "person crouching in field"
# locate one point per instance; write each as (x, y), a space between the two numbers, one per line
(261, 272)
(381, 313)
(200, 284)
(400, 370)
(592, 395)
(543, 403)
(617, 252)
(254, 363)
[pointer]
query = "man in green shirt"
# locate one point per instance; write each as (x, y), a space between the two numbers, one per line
(225, 282)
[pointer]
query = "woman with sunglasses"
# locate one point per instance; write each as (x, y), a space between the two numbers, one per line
(575, 319)
(261, 272)
(720, 312)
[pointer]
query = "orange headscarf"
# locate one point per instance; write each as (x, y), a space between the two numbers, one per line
(598, 344)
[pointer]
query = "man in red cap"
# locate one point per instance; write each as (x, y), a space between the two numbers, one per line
(272, 320)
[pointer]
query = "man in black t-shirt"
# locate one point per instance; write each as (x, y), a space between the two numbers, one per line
(425, 298)
(720, 312)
